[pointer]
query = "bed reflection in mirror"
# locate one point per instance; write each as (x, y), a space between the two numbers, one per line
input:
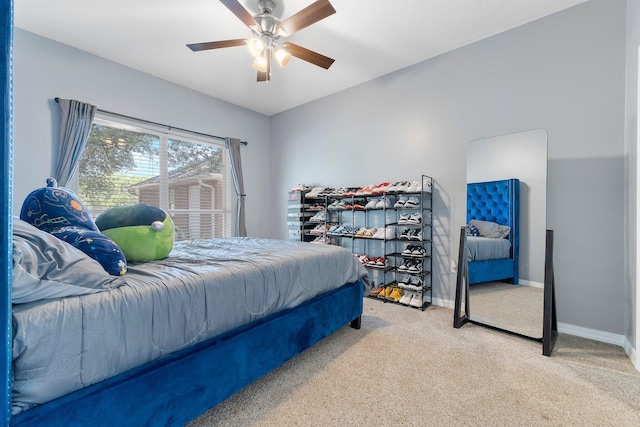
(506, 224)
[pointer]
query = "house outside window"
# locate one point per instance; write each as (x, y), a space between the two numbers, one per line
(187, 175)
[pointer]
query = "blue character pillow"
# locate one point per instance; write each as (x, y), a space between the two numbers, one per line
(61, 213)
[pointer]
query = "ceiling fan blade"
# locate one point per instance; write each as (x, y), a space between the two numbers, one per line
(307, 16)
(265, 76)
(309, 55)
(242, 13)
(216, 45)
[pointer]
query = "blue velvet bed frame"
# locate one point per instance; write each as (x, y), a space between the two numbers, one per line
(496, 201)
(175, 389)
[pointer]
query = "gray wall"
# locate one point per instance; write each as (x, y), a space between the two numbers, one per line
(563, 73)
(45, 69)
(631, 145)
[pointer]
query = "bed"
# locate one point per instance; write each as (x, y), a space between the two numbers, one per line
(493, 235)
(172, 338)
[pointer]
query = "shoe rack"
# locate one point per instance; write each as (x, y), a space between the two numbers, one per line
(388, 227)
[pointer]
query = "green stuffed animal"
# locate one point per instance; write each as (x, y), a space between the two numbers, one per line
(143, 232)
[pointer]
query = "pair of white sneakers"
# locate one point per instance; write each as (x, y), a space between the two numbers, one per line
(405, 187)
(406, 202)
(387, 233)
(412, 298)
(381, 203)
(320, 216)
(414, 218)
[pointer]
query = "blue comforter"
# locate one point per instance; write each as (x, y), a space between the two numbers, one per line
(204, 288)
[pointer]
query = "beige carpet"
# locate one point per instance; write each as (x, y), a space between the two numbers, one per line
(411, 368)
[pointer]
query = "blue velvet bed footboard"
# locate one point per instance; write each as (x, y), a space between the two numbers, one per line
(176, 389)
(499, 202)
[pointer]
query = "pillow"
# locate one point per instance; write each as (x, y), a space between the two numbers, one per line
(45, 267)
(472, 230)
(60, 212)
(143, 232)
(491, 229)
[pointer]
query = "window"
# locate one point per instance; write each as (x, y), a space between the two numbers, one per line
(187, 175)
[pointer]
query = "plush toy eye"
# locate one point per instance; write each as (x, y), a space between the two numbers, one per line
(157, 225)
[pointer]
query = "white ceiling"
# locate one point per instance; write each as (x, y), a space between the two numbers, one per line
(367, 39)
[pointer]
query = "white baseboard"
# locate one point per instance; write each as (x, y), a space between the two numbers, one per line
(445, 303)
(530, 283)
(592, 334)
(631, 352)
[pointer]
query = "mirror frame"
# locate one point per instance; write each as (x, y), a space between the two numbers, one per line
(549, 322)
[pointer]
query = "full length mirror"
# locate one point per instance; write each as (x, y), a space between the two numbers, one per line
(515, 165)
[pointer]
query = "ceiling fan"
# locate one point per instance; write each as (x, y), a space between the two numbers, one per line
(267, 33)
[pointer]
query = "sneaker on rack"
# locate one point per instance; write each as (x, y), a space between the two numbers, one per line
(418, 251)
(404, 281)
(379, 234)
(401, 201)
(427, 183)
(371, 204)
(364, 259)
(381, 262)
(411, 203)
(404, 266)
(417, 300)
(375, 292)
(416, 235)
(403, 187)
(396, 293)
(415, 267)
(404, 219)
(415, 218)
(389, 233)
(319, 230)
(360, 191)
(360, 232)
(406, 234)
(320, 216)
(408, 251)
(415, 187)
(380, 188)
(385, 292)
(415, 283)
(406, 298)
(393, 187)
(337, 231)
(313, 193)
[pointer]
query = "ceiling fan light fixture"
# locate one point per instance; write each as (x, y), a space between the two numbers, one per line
(256, 46)
(282, 55)
(267, 30)
(261, 63)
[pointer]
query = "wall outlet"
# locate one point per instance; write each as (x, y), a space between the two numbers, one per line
(454, 266)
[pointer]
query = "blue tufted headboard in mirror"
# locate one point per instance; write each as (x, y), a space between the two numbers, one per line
(499, 202)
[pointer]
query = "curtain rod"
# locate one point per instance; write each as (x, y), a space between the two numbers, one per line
(124, 116)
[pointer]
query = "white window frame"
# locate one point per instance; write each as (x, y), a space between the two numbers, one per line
(164, 134)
